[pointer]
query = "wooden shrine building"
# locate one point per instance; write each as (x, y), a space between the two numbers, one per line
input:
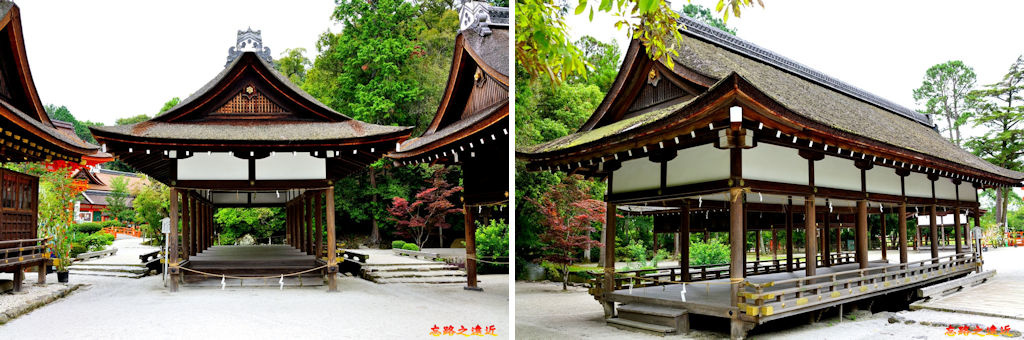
(26, 135)
(250, 138)
(736, 138)
(471, 125)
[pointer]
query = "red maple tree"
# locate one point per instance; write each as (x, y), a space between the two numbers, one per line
(570, 213)
(429, 209)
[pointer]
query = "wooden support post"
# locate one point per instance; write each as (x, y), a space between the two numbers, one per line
(41, 273)
(737, 243)
(902, 228)
(654, 238)
(608, 284)
(186, 229)
(471, 249)
(810, 264)
(789, 235)
(861, 236)
(684, 242)
(826, 230)
(19, 276)
(934, 234)
(956, 225)
(332, 261)
(757, 245)
(319, 233)
(883, 238)
(172, 246)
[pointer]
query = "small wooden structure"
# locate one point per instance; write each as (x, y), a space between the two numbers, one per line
(26, 135)
(250, 138)
(471, 125)
(736, 138)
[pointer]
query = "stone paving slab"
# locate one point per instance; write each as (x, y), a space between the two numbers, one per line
(1001, 297)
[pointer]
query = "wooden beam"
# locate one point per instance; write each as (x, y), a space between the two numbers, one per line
(934, 234)
(883, 237)
(737, 242)
(956, 223)
(608, 286)
(789, 235)
(320, 227)
(825, 233)
(186, 228)
(902, 228)
(684, 242)
(809, 237)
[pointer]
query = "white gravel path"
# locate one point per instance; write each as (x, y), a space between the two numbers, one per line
(117, 308)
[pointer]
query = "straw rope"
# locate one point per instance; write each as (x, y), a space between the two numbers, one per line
(251, 277)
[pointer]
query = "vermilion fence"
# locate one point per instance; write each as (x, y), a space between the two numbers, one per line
(132, 231)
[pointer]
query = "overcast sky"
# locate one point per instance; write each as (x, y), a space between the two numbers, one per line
(111, 59)
(883, 47)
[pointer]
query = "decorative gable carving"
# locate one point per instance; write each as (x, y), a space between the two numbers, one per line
(250, 100)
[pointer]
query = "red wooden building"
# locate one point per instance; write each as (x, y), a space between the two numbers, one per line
(26, 135)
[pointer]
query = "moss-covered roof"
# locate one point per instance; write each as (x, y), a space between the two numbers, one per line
(609, 130)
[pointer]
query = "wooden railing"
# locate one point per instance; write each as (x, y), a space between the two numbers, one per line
(133, 231)
(665, 275)
(21, 252)
(341, 253)
(807, 292)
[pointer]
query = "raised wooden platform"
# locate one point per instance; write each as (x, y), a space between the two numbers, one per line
(256, 260)
(777, 295)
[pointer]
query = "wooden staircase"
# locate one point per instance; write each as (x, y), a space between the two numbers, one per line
(657, 320)
(257, 260)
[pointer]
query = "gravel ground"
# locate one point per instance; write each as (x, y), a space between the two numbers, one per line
(544, 311)
(31, 296)
(119, 308)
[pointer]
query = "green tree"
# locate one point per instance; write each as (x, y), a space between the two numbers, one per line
(944, 94)
(81, 127)
(169, 104)
(603, 59)
(151, 204)
(293, 64)
(360, 71)
(1001, 111)
(132, 120)
(543, 46)
(258, 222)
(702, 14)
(117, 201)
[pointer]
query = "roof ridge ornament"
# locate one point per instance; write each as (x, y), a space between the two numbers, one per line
(249, 41)
(479, 16)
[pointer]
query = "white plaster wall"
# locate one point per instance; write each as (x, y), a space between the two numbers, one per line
(214, 166)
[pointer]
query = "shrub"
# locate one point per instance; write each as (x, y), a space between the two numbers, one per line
(411, 246)
(397, 244)
(711, 252)
(98, 241)
(78, 248)
(492, 242)
(111, 223)
(88, 227)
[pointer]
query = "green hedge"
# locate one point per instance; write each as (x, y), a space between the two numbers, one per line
(411, 246)
(88, 227)
(112, 223)
(397, 244)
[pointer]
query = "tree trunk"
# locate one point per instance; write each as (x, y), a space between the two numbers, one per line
(565, 277)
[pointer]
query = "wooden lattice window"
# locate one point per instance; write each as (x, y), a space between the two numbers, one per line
(249, 100)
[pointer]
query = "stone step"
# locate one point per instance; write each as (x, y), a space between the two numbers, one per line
(662, 311)
(418, 273)
(637, 326)
(270, 283)
(425, 280)
(110, 268)
(74, 272)
(375, 268)
(92, 264)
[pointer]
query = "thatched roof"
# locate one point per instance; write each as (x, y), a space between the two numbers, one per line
(803, 91)
(252, 131)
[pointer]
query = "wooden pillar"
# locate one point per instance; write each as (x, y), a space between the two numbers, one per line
(332, 261)
(757, 245)
(471, 249)
(883, 238)
(319, 233)
(684, 242)
(956, 224)
(41, 273)
(172, 242)
(608, 284)
(655, 240)
(789, 235)
(707, 236)
(186, 229)
(903, 231)
(826, 229)
(810, 263)
(676, 249)
(861, 237)
(934, 235)
(737, 242)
